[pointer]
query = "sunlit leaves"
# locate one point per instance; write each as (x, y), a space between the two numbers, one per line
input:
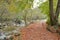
(12, 8)
(45, 6)
(24, 4)
(15, 6)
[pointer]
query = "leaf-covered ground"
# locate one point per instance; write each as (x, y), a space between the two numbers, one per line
(37, 31)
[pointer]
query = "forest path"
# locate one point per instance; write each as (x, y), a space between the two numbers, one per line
(37, 31)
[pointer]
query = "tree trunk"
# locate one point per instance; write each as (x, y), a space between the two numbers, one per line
(25, 17)
(57, 12)
(51, 12)
(53, 16)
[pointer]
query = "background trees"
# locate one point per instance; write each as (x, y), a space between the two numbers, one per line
(14, 7)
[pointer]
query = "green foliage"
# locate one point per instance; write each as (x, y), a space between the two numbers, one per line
(20, 5)
(9, 28)
(14, 7)
(44, 7)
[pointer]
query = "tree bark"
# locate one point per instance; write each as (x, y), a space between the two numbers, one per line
(51, 12)
(57, 12)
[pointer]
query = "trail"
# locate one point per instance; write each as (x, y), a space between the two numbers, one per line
(37, 31)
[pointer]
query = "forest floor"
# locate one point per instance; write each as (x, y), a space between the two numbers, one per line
(37, 31)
